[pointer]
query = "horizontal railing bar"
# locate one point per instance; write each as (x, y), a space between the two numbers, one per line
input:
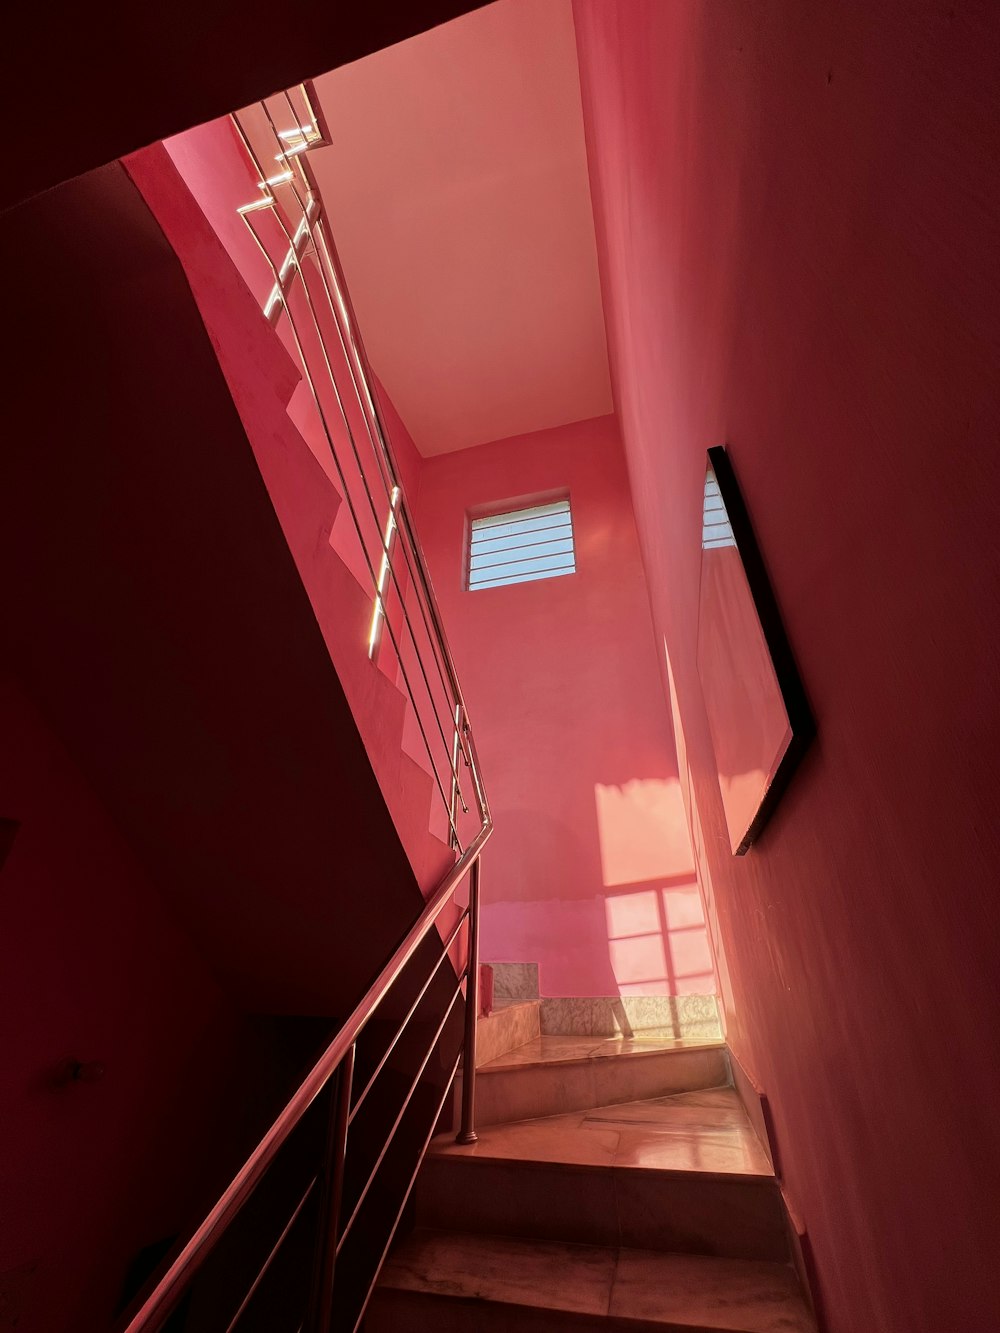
(399, 1119)
(364, 367)
(477, 539)
(390, 566)
(305, 210)
(167, 1293)
(347, 490)
(409, 1189)
(411, 557)
(413, 1008)
(528, 575)
(270, 1258)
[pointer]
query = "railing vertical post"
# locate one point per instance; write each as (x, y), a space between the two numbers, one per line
(467, 1134)
(330, 1221)
(456, 750)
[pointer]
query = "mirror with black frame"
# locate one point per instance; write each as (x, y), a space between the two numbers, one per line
(757, 711)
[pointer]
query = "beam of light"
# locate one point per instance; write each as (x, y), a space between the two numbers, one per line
(378, 613)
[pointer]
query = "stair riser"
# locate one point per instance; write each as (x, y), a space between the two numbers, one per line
(653, 1210)
(529, 1091)
(417, 1312)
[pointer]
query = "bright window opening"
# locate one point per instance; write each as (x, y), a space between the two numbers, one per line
(521, 546)
(715, 529)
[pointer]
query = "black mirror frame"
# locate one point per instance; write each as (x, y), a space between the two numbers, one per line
(801, 722)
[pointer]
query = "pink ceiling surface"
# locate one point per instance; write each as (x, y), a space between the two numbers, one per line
(457, 190)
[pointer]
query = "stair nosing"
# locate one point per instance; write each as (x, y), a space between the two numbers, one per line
(660, 1172)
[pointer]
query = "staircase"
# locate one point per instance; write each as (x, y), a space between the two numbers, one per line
(615, 1184)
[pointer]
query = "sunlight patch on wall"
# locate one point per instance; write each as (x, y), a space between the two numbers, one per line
(657, 942)
(643, 831)
(707, 895)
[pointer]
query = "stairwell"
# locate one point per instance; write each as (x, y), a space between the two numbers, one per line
(616, 1184)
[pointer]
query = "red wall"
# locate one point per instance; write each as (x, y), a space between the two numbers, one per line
(797, 216)
(91, 968)
(194, 185)
(112, 85)
(589, 872)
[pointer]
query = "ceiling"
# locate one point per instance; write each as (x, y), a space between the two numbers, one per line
(457, 189)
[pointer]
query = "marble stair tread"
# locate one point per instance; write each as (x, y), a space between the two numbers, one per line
(557, 1050)
(704, 1132)
(449, 1281)
(683, 1173)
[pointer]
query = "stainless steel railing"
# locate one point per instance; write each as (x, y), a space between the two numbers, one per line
(311, 306)
(337, 1059)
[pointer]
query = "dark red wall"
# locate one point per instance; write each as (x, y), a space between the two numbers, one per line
(92, 968)
(90, 84)
(797, 212)
(160, 622)
(589, 872)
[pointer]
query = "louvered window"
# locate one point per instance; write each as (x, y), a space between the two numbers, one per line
(715, 528)
(521, 546)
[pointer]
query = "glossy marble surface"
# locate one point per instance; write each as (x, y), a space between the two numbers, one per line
(702, 1292)
(672, 1291)
(682, 1173)
(552, 1075)
(515, 981)
(545, 1050)
(567, 1277)
(648, 1016)
(702, 1132)
(511, 1024)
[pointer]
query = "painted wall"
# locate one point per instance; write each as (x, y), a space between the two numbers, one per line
(172, 72)
(797, 211)
(91, 968)
(589, 872)
(194, 184)
(456, 180)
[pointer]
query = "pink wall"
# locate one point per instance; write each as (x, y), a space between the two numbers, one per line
(194, 185)
(797, 217)
(92, 968)
(590, 871)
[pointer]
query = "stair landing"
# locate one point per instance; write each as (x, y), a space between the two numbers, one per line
(705, 1132)
(551, 1075)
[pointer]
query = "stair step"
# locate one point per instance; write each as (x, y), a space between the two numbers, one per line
(551, 1075)
(682, 1173)
(511, 1024)
(486, 1283)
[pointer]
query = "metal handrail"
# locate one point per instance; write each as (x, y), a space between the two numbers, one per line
(312, 229)
(176, 1280)
(338, 1059)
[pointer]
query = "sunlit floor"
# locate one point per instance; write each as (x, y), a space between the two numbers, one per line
(697, 1132)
